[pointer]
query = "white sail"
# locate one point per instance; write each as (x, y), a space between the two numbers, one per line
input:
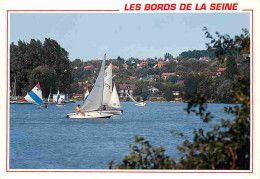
(107, 85)
(49, 97)
(131, 97)
(114, 100)
(95, 98)
(34, 96)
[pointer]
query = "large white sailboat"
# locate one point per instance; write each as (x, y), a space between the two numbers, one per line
(92, 107)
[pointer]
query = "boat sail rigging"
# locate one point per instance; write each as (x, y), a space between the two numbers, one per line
(34, 96)
(107, 85)
(114, 100)
(94, 100)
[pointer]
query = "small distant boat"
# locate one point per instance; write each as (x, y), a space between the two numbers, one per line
(59, 100)
(49, 97)
(35, 96)
(141, 104)
(92, 107)
(136, 103)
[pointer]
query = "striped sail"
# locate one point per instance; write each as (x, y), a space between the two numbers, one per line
(34, 96)
(58, 98)
(86, 94)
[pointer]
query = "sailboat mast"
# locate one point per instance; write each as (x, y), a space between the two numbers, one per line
(15, 87)
(103, 81)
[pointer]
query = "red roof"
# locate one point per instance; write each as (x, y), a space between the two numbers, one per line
(221, 69)
(143, 63)
(88, 67)
(116, 67)
(162, 62)
(131, 77)
(180, 82)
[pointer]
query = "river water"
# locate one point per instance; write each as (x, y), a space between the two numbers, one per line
(45, 139)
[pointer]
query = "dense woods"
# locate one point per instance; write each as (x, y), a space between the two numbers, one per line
(46, 62)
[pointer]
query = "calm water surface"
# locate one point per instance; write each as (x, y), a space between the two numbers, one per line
(45, 139)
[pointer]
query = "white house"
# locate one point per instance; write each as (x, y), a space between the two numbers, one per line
(153, 90)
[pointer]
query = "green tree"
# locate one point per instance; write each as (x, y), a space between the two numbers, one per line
(232, 69)
(168, 94)
(46, 76)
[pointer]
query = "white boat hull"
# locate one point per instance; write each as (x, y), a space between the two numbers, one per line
(113, 111)
(89, 115)
(141, 104)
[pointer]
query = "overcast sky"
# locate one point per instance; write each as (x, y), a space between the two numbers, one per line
(89, 35)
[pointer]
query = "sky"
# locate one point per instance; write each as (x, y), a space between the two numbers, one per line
(88, 36)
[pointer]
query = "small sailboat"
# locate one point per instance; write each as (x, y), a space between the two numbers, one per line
(35, 96)
(114, 106)
(111, 103)
(49, 97)
(92, 107)
(136, 103)
(59, 100)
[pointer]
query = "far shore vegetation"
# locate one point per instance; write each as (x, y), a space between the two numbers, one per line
(165, 78)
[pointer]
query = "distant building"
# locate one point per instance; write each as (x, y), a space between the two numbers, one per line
(130, 62)
(87, 67)
(115, 67)
(132, 77)
(177, 95)
(126, 88)
(205, 59)
(221, 70)
(145, 79)
(153, 90)
(159, 65)
(124, 66)
(180, 82)
(165, 76)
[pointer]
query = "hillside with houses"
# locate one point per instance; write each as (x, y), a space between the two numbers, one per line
(165, 78)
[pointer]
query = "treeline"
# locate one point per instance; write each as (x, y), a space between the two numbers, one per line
(46, 62)
(198, 54)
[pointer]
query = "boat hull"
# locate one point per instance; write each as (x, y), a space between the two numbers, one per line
(60, 105)
(89, 115)
(113, 111)
(141, 104)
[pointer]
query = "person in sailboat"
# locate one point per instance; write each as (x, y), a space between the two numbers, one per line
(78, 108)
(104, 107)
